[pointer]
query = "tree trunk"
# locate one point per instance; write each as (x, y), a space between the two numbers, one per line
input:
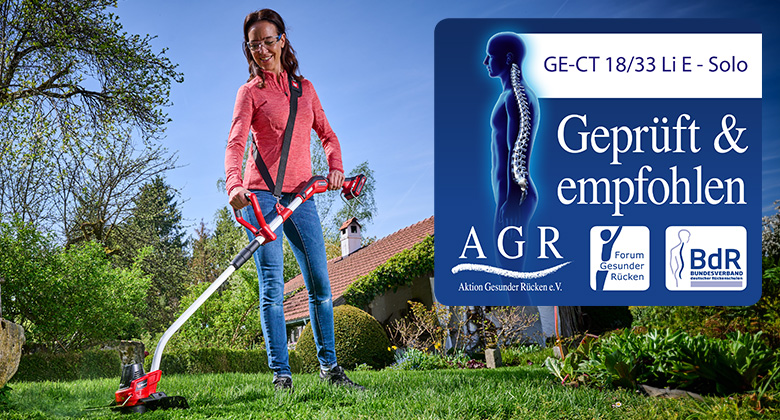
(569, 320)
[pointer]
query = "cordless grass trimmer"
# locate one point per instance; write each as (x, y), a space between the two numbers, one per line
(138, 390)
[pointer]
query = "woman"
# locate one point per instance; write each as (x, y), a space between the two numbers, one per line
(262, 107)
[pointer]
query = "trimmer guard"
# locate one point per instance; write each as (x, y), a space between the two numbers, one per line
(155, 401)
(140, 394)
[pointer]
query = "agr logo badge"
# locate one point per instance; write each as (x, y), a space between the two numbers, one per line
(706, 258)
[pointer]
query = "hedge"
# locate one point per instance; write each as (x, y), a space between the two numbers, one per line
(93, 364)
(216, 360)
(399, 270)
(90, 364)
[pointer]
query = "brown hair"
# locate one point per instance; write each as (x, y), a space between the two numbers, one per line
(288, 58)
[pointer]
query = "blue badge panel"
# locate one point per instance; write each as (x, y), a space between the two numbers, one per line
(597, 162)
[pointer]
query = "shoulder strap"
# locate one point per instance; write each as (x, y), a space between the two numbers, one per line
(295, 92)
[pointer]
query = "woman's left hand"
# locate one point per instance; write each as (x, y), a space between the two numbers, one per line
(335, 180)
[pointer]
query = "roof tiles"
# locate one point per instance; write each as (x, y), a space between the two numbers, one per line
(344, 270)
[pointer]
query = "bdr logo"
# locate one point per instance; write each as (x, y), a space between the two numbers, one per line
(699, 259)
(706, 258)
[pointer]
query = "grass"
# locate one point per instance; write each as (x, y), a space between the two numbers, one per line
(527, 392)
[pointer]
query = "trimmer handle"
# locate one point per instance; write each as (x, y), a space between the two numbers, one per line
(317, 184)
(353, 186)
(264, 230)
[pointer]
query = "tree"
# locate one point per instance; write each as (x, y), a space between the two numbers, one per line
(80, 114)
(230, 318)
(569, 320)
(202, 266)
(332, 217)
(66, 299)
(155, 228)
(364, 206)
(227, 240)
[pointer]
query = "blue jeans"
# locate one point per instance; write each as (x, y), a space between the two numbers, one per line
(304, 232)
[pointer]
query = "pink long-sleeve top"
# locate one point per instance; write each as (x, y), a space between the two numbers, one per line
(264, 111)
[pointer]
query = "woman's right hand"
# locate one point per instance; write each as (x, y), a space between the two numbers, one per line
(238, 198)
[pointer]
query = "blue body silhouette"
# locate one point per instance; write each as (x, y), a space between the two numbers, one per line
(514, 207)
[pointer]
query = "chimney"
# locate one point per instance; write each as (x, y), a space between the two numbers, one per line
(350, 236)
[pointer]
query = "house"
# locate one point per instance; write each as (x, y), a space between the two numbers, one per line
(356, 262)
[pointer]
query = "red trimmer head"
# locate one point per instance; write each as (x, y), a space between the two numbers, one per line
(137, 392)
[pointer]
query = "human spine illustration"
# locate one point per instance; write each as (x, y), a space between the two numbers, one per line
(520, 148)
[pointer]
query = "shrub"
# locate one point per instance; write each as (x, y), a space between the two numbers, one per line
(733, 365)
(229, 319)
(90, 364)
(518, 355)
(66, 298)
(506, 325)
(665, 358)
(359, 339)
(691, 319)
(720, 321)
(414, 359)
(422, 328)
(435, 328)
(218, 360)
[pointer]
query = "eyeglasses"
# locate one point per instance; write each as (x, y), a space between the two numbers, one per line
(267, 42)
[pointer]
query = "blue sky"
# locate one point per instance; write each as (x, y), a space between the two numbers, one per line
(372, 66)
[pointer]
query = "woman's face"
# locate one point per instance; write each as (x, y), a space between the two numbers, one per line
(269, 57)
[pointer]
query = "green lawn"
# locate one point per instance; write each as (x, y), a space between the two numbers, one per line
(505, 393)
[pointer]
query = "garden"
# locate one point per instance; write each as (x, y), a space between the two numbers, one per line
(525, 391)
(435, 362)
(612, 375)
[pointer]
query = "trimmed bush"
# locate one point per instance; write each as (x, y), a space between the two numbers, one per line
(215, 360)
(296, 363)
(359, 339)
(90, 364)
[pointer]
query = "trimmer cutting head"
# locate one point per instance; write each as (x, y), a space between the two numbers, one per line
(137, 392)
